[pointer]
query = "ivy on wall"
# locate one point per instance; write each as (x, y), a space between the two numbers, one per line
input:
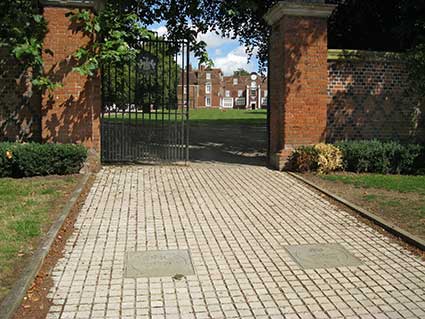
(22, 29)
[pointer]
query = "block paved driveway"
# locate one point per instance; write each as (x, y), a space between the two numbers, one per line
(236, 222)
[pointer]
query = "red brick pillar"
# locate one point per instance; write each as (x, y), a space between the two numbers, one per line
(298, 76)
(71, 113)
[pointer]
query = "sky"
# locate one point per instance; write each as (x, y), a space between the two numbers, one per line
(226, 53)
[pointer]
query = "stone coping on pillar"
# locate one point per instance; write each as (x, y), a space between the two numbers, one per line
(95, 4)
(298, 9)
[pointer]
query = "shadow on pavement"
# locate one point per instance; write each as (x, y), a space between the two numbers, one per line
(222, 143)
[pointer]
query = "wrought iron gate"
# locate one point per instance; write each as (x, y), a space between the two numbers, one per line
(145, 113)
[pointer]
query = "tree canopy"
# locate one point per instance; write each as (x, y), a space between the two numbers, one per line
(380, 25)
(390, 25)
(22, 29)
(241, 72)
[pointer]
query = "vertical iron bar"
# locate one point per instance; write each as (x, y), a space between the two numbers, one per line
(176, 102)
(170, 142)
(182, 128)
(268, 111)
(122, 112)
(143, 96)
(158, 144)
(102, 113)
(108, 131)
(164, 151)
(187, 102)
(129, 124)
(136, 106)
(116, 141)
(110, 116)
(148, 144)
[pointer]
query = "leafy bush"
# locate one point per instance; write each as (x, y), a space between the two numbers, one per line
(329, 158)
(360, 156)
(381, 157)
(303, 159)
(32, 159)
(323, 158)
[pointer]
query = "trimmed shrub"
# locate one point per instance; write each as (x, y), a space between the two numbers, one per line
(323, 158)
(329, 158)
(381, 157)
(32, 159)
(303, 159)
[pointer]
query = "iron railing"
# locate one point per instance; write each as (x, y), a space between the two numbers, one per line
(145, 112)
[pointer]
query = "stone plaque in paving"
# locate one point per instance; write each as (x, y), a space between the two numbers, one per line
(158, 263)
(322, 256)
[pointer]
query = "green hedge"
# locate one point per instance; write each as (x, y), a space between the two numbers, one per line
(32, 159)
(382, 157)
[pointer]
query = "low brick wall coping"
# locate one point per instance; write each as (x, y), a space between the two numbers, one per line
(358, 55)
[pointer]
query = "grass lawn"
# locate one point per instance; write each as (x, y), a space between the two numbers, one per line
(398, 199)
(398, 183)
(28, 207)
(207, 116)
(229, 116)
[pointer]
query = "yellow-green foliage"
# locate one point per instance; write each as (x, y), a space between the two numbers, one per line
(322, 158)
(329, 158)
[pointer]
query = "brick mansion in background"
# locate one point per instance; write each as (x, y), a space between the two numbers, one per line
(209, 88)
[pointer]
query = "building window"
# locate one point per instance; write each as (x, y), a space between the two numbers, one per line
(240, 93)
(266, 93)
(185, 90)
(227, 93)
(235, 81)
(208, 76)
(227, 103)
(208, 88)
(240, 101)
(207, 101)
(253, 92)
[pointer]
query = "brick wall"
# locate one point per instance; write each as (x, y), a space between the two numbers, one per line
(277, 86)
(306, 81)
(70, 114)
(369, 98)
(19, 104)
(298, 85)
(216, 86)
